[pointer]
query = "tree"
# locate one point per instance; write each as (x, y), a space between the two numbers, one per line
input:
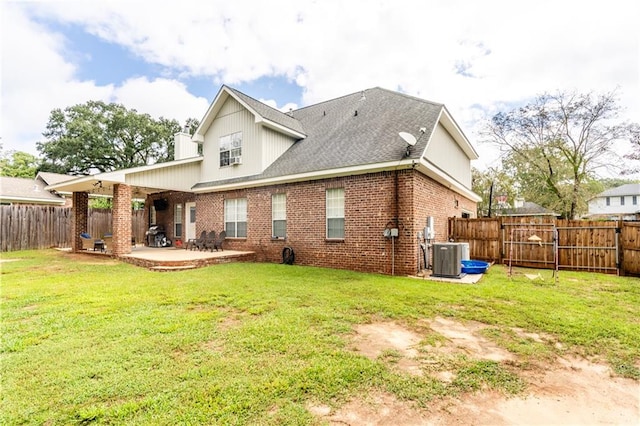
(100, 137)
(492, 184)
(19, 164)
(557, 143)
(635, 153)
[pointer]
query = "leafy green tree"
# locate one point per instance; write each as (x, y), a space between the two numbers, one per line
(556, 144)
(492, 184)
(100, 137)
(19, 164)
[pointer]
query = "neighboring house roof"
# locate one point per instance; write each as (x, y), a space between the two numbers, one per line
(628, 189)
(528, 209)
(354, 130)
(50, 178)
(26, 191)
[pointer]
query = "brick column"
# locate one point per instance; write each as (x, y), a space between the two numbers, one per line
(79, 219)
(121, 219)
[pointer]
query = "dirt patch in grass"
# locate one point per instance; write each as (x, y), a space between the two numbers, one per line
(568, 391)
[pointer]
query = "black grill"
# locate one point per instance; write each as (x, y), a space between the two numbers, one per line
(156, 237)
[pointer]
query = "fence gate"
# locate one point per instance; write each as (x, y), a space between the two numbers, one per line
(530, 245)
(592, 247)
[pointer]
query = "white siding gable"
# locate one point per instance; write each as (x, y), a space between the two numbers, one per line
(261, 146)
(445, 153)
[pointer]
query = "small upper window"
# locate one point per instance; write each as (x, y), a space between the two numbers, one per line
(622, 200)
(608, 200)
(634, 200)
(231, 149)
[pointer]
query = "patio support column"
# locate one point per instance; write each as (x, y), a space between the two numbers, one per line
(121, 219)
(79, 219)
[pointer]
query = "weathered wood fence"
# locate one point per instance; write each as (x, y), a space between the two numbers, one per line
(26, 227)
(598, 246)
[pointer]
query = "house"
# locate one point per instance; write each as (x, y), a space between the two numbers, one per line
(523, 208)
(616, 203)
(346, 183)
(15, 190)
(34, 191)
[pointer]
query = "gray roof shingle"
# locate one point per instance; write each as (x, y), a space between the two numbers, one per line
(353, 130)
(269, 113)
(26, 189)
(628, 189)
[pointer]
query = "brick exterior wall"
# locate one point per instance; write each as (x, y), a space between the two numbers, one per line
(371, 205)
(79, 221)
(166, 218)
(121, 219)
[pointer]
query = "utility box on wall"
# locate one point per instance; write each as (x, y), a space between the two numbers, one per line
(447, 260)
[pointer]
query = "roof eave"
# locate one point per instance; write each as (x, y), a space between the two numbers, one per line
(456, 132)
(31, 200)
(425, 167)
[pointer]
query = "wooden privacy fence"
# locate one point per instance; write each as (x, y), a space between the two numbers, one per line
(27, 227)
(598, 246)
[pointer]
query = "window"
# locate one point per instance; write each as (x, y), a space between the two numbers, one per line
(230, 149)
(634, 200)
(235, 217)
(608, 200)
(335, 213)
(177, 220)
(279, 215)
(622, 200)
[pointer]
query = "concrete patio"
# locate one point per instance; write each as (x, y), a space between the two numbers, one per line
(173, 258)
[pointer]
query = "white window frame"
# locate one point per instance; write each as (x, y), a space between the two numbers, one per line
(235, 217)
(279, 215)
(335, 217)
(177, 220)
(230, 146)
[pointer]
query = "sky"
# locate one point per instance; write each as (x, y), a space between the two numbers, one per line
(170, 58)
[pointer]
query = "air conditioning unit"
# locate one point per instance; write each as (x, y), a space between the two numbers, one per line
(235, 160)
(447, 260)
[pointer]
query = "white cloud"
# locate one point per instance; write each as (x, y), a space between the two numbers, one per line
(160, 98)
(476, 57)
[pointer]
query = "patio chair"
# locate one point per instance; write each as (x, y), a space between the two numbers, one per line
(218, 244)
(192, 242)
(210, 242)
(87, 241)
(108, 242)
(202, 244)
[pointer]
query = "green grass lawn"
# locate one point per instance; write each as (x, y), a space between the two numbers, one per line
(90, 340)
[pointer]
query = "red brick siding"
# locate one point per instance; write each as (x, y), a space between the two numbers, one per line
(166, 217)
(370, 205)
(121, 219)
(79, 221)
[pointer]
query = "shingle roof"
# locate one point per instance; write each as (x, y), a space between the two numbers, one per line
(269, 113)
(50, 178)
(26, 189)
(353, 130)
(628, 189)
(528, 209)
